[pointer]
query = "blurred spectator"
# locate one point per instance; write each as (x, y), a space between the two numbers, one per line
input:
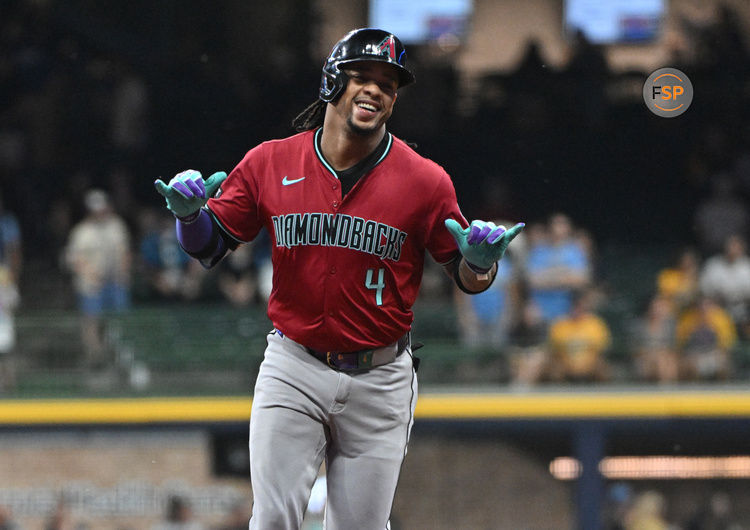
(99, 257)
(720, 215)
(557, 265)
(618, 502)
(179, 516)
(168, 270)
(484, 319)
(726, 278)
(678, 284)
(9, 299)
(10, 273)
(237, 276)
(716, 515)
(6, 520)
(528, 350)
(11, 255)
(578, 342)
(648, 512)
(705, 338)
(653, 342)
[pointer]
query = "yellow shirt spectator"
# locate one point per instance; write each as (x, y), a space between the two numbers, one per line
(679, 284)
(705, 335)
(578, 343)
(709, 317)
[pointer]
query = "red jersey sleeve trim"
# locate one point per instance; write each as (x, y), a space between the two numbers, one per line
(452, 260)
(223, 227)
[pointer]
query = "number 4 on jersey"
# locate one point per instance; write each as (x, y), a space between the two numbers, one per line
(377, 287)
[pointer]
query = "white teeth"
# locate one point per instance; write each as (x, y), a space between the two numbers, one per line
(367, 106)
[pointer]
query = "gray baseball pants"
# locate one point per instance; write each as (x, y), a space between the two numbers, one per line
(304, 411)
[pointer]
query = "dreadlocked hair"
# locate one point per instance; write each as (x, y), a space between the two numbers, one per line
(311, 117)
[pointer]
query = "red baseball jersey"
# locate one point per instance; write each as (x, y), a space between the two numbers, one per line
(346, 271)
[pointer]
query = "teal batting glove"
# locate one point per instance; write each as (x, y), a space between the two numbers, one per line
(187, 192)
(482, 244)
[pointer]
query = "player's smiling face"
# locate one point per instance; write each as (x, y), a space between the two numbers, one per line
(367, 102)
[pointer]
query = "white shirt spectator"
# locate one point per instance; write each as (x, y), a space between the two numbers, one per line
(726, 277)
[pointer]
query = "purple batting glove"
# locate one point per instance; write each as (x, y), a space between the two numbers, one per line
(480, 231)
(482, 243)
(187, 192)
(189, 184)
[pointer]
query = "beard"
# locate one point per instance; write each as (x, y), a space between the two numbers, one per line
(361, 131)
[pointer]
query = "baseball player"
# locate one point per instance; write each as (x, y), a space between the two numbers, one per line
(351, 210)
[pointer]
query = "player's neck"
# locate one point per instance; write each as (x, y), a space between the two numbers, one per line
(343, 148)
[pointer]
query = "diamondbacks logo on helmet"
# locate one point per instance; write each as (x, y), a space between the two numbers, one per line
(388, 47)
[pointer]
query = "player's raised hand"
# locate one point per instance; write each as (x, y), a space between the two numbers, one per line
(187, 192)
(482, 243)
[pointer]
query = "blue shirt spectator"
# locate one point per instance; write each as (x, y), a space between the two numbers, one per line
(557, 266)
(167, 269)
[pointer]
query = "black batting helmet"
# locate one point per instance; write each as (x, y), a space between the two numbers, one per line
(365, 44)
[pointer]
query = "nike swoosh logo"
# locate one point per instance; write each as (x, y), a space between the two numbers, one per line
(287, 182)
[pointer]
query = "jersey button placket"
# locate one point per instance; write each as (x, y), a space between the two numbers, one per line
(332, 272)
(335, 204)
(328, 304)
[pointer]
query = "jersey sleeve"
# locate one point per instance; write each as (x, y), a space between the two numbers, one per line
(235, 206)
(444, 205)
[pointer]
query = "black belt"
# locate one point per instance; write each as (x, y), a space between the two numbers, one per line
(360, 360)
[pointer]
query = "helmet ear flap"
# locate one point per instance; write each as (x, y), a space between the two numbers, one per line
(332, 84)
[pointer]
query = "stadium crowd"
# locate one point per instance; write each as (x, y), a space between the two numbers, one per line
(546, 314)
(90, 120)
